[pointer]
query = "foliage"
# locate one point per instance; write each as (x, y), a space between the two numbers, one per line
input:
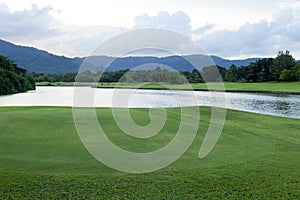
(126, 76)
(292, 74)
(283, 61)
(156, 76)
(13, 79)
(214, 73)
(281, 68)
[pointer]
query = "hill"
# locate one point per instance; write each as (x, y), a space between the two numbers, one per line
(35, 60)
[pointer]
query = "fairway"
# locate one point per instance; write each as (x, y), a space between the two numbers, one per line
(41, 156)
(284, 87)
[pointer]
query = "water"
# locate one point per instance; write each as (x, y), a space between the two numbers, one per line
(279, 105)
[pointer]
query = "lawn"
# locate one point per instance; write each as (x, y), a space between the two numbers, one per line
(41, 156)
(292, 87)
(229, 86)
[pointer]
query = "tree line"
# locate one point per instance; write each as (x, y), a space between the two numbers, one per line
(86, 76)
(14, 79)
(126, 76)
(281, 68)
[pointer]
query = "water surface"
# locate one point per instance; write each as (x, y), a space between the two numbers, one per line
(272, 104)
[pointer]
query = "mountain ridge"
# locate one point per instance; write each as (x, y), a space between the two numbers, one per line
(36, 60)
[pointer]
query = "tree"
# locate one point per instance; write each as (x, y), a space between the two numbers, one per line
(214, 73)
(196, 77)
(232, 74)
(290, 75)
(283, 61)
(86, 76)
(251, 72)
(265, 65)
(285, 75)
(242, 73)
(13, 79)
(296, 72)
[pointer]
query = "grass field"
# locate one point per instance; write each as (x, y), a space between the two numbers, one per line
(41, 156)
(229, 86)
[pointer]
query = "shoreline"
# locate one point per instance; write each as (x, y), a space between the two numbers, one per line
(138, 108)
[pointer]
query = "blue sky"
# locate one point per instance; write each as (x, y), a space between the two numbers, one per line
(231, 29)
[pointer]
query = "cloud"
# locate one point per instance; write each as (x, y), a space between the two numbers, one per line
(78, 41)
(37, 27)
(261, 38)
(205, 28)
(178, 21)
(27, 24)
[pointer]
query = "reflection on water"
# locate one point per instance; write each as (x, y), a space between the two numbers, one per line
(280, 105)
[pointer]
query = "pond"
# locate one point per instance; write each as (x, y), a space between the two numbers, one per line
(272, 104)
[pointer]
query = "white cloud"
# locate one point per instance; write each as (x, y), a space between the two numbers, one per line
(27, 24)
(262, 38)
(78, 41)
(205, 28)
(178, 21)
(38, 27)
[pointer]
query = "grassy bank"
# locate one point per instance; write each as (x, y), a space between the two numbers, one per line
(41, 156)
(292, 87)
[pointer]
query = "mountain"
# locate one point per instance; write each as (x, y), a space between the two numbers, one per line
(35, 60)
(227, 63)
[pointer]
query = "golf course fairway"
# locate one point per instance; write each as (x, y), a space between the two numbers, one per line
(42, 157)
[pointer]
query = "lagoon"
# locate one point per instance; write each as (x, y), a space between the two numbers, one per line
(271, 104)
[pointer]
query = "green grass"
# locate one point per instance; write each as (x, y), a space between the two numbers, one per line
(41, 156)
(229, 86)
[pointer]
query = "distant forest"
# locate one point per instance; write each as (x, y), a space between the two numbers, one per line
(14, 79)
(281, 68)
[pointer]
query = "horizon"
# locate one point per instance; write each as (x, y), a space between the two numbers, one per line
(150, 55)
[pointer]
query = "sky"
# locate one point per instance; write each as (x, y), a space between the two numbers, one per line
(230, 29)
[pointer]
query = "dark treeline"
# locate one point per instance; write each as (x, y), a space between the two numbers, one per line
(281, 68)
(85, 76)
(127, 76)
(13, 79)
